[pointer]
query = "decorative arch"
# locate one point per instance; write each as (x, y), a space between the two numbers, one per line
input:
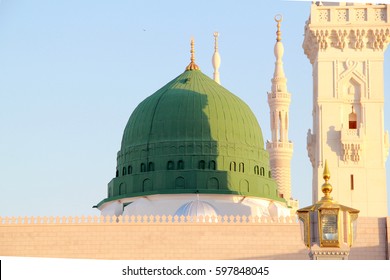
(122, 188)
(213, 183)
(212, 165)
(180, 164)
(180, 183)
(170, 165)
(147, 185)
(244, 186)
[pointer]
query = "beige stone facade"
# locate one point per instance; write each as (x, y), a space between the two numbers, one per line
(345, 43)
(135, 238)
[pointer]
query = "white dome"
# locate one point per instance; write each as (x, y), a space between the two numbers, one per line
(197, 208)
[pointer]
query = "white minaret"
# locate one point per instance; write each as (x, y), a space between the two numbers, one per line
(216, 59)
(345, 43)
(280, 148)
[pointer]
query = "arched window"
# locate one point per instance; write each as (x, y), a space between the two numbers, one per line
(117, 173)
(212, 165)
(256, 170)
(202, 164)
(233, 166)
(269, 174)
(151, 166)
(180, 164)
(241, 167)
(352, 120)
(124, 171)
(143, 167)
(129, 169)
(170, 165)
(262, 171)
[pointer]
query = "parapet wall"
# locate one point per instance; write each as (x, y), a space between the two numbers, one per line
(155, 237)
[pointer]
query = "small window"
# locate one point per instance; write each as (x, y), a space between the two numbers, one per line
(124, 171)
(233, 166)
(352, 183)
(129, 169)
(212, 165)
(180, 164)
(202, 164)
(151, 166)
(262, 171)
(170, 165)
(352, 120)
(256, 170)
(269, 174)
(241, 167)
(117, 173)
(143, 167)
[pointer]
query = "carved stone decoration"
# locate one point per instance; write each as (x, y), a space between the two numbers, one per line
(380, 39)
(361, 15)
(341, 35)
(359, 39)
(380, 15)
(322, 39)
(351, 152)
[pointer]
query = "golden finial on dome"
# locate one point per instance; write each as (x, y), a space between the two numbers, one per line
(192, 65)
(326, 187)
(278, 18)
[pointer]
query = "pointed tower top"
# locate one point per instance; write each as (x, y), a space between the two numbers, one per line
(326, 187)
(278, 18)
(216, 59)
(192, 65)
(278, 52)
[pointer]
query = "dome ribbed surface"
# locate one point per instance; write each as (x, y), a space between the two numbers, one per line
(192, 107)
(197, 208)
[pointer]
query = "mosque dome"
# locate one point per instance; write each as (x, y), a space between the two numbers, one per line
(192, 136)
(197, 208)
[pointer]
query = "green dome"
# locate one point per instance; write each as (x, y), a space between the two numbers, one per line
(192, 136)
(192, 107)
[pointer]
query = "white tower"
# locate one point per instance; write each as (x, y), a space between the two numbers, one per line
(280, 148)
(345, 43)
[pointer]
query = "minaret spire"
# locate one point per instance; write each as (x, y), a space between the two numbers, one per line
(280, 148)
(192, 65)
(216, 59)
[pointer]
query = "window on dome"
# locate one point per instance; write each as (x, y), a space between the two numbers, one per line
(256, 170)
(262, 171)
(180, 164)
(202, 164)
(129, 169)
(233, 166)
(124, 171)
(151, 166)
(143, 167)
(170, 165)
(241, 167)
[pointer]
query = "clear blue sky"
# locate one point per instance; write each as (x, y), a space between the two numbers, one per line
(71, 73)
